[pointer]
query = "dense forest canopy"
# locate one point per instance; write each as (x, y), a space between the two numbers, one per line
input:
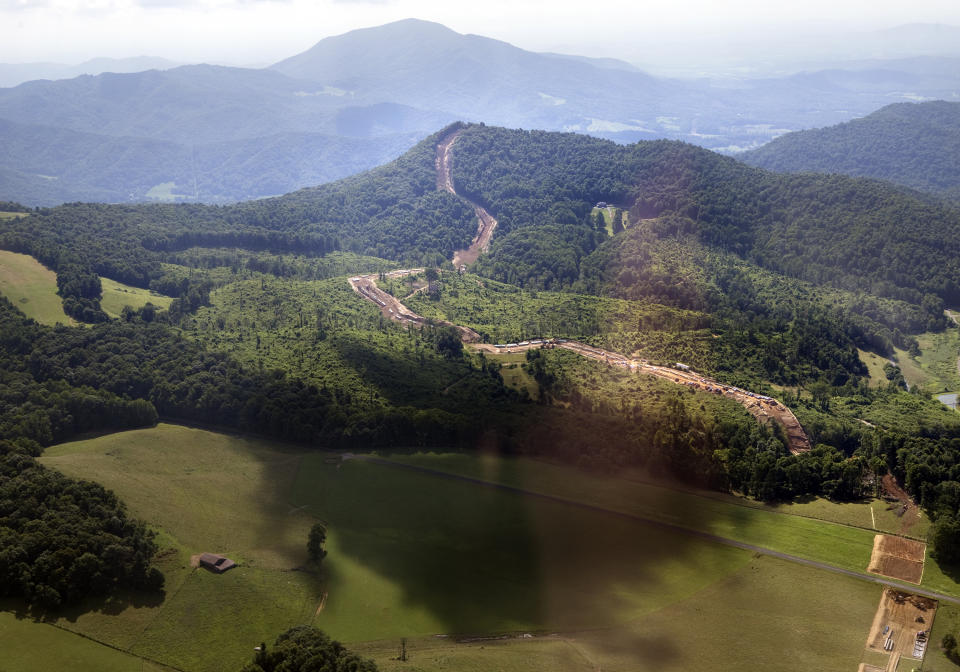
(913, 144)
(829, 229)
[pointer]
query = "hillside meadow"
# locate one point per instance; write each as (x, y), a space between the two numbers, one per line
(116, 295)
(31, 287)
(420, 555)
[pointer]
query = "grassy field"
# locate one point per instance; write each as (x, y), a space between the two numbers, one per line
(818, 530)
(946, 621)
(514, 375)
(29, 646)
(31, 287)
(416, 555)
(116, 295)
(938, 360)
(875, 365)
(756, 618)
(207, 492)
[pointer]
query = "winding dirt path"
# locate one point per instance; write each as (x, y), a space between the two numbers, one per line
(485, 221)
(390, 306)
(763, 408)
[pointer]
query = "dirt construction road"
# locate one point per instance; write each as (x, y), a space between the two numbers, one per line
(485, 221)
(763, 408)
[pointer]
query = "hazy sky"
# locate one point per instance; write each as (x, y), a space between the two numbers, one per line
(262, 31)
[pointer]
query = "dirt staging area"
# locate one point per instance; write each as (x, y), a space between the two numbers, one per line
(901, 503)
(897, 558)
(899, 618)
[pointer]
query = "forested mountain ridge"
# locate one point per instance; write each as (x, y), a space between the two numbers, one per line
(857, 234)
(116, 169)
(913, 144)
(391, 212)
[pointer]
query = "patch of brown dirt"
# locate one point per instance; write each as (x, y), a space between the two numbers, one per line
(908, 511)
(897, 558)
(485, 221)
(900, 616)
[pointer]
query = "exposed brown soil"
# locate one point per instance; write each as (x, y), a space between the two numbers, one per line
(904, 505)
(390, 306)
(897, 557)
(764, 409)
(485, 221)
(900, 616)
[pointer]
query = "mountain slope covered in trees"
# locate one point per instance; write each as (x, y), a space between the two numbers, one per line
(856, 234)
(913, 144)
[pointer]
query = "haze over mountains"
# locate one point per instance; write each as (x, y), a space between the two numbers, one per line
(219, 134)
(12, 74)
(916, 145)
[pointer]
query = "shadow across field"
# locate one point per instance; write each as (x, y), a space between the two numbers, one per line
(112, 605)
(481, 560)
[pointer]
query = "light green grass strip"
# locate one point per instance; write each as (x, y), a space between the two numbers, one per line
(116, 295)
(31, 287)
(31, 646)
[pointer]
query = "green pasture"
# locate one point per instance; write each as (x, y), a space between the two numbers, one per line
(165, 192)
(947, 621)
(418, 555)
(473, 560)
(31, 646)
(875, 364)
(938, 360)
(912, 371)
(31, 287)
(839, 534)
(206, 492)
(934, 370)
(116, 295)
(769, 615)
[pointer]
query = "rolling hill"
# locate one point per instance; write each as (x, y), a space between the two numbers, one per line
(916, 145)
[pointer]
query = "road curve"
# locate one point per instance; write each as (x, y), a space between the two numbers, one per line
(485, 221)
(390, 306)
(761, 407)
(706, 536)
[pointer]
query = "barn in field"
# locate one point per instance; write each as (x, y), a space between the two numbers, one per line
(216, 563)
